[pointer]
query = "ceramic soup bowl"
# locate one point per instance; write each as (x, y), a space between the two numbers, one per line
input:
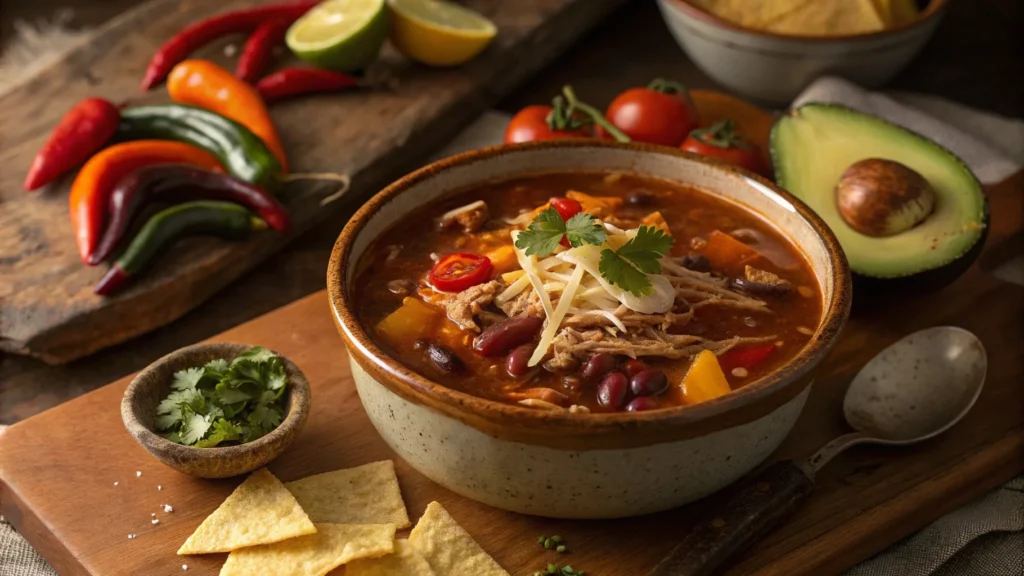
(561, 464)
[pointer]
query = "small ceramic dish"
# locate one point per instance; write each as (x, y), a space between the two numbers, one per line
(151, 385)
(775, 68)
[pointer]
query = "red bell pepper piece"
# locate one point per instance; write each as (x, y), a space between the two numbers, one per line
(78, 135)
(292, 82)
(747, 358)
(257, 51)
(193, 37)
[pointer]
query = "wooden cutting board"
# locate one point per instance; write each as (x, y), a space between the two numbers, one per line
(47, 308)
(59, 468)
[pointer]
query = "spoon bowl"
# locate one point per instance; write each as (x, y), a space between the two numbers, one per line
(918, 387)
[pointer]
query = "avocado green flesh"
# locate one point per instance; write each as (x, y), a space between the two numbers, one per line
(813, 145)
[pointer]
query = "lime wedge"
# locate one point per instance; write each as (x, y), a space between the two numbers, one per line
(439, 33)
(343, 35)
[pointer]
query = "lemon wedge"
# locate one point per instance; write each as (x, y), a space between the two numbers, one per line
(438, 33)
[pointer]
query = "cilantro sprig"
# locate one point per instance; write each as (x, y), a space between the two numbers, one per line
(223, 402)
(626, 267)
(547, 230)
(629, 266)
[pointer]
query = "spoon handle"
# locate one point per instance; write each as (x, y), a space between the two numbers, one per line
(750, 511)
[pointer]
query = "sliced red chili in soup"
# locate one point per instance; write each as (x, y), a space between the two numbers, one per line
(456, 272)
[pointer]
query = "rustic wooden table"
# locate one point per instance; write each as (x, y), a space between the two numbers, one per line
(974, 59)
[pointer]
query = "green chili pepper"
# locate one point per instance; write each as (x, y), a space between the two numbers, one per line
(241, 152)
(223, 219)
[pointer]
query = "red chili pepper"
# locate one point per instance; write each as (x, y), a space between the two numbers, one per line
(256, 53)
(746, 358)
(177, 183)
(192, 37)
(292, 82)
(456, 272)
(78, 135)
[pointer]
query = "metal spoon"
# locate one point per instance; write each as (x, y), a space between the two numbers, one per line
(913, 390)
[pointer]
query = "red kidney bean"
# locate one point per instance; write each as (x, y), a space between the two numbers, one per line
(517, 363)
(612, 390)
(598, 365)
(632, 367)
(649, 383)
(641, 404)
(444, 358)
(503, 336)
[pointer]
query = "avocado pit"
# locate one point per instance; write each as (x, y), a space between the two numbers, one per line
(880, 198)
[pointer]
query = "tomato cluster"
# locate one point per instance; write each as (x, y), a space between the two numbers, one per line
(659, 113)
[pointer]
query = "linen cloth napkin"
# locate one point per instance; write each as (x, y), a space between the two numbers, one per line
(983, 538)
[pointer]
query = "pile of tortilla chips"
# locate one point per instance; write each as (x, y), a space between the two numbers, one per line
(813, 17)
(346, 517)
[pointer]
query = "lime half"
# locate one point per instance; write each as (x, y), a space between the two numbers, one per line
(343, 35)
(439, 33)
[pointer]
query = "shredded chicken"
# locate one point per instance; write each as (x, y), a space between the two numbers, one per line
(471, 217)
(628, 317)
(764, 277)
(526, 302)
(571, 347)
(464, 306)
(549, 395)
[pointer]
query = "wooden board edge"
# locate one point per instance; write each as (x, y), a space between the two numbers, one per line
(41, 537)
(870, 532)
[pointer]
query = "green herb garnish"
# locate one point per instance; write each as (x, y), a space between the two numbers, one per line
(546, 231)
(629, 266)
(224, 402)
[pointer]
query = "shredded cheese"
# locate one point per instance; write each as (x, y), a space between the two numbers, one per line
(529, 266)
(555, 320)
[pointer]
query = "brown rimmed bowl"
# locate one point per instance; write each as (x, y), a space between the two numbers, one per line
(556, 463)
(152, 384)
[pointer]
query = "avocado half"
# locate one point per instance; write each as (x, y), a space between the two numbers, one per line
(812, 147)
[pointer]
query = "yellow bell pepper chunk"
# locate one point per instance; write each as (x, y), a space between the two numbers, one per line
(413, 319)
(597, 206)
(503, 258)
(704, 380)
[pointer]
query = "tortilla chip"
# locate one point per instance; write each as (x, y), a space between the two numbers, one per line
(260, 511)
(367, 494)
(448, 548)
(751, 14)
(405, 561)
(313, 555)
(830, 17)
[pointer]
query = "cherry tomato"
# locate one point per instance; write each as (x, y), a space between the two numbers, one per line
(531, 125)
(723, 142)
(566, 207)
(661, 113)
(456, 272)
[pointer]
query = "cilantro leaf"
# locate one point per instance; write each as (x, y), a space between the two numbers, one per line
(629, 266)
(616, 270)
(543, 235)
(187, 379)
(194, 428)
(223, 401)
(583, 229)
(645, 249)
(257, 354)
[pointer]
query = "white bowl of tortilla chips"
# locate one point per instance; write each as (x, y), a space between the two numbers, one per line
(770, 50)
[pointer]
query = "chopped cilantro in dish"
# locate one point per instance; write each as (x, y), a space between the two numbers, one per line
(225, 402)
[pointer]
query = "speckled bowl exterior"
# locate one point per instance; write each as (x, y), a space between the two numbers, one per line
(558, 464)
(152, 384)
(775, 68)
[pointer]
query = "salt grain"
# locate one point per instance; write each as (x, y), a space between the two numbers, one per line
(155, 521)
(158, 487)
(138, 473)
(116, 483)
(131, 536)
(740, 372)
(168, 509)
(184, 566)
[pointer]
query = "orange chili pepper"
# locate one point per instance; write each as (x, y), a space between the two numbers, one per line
(205, 84)
(90, 193)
